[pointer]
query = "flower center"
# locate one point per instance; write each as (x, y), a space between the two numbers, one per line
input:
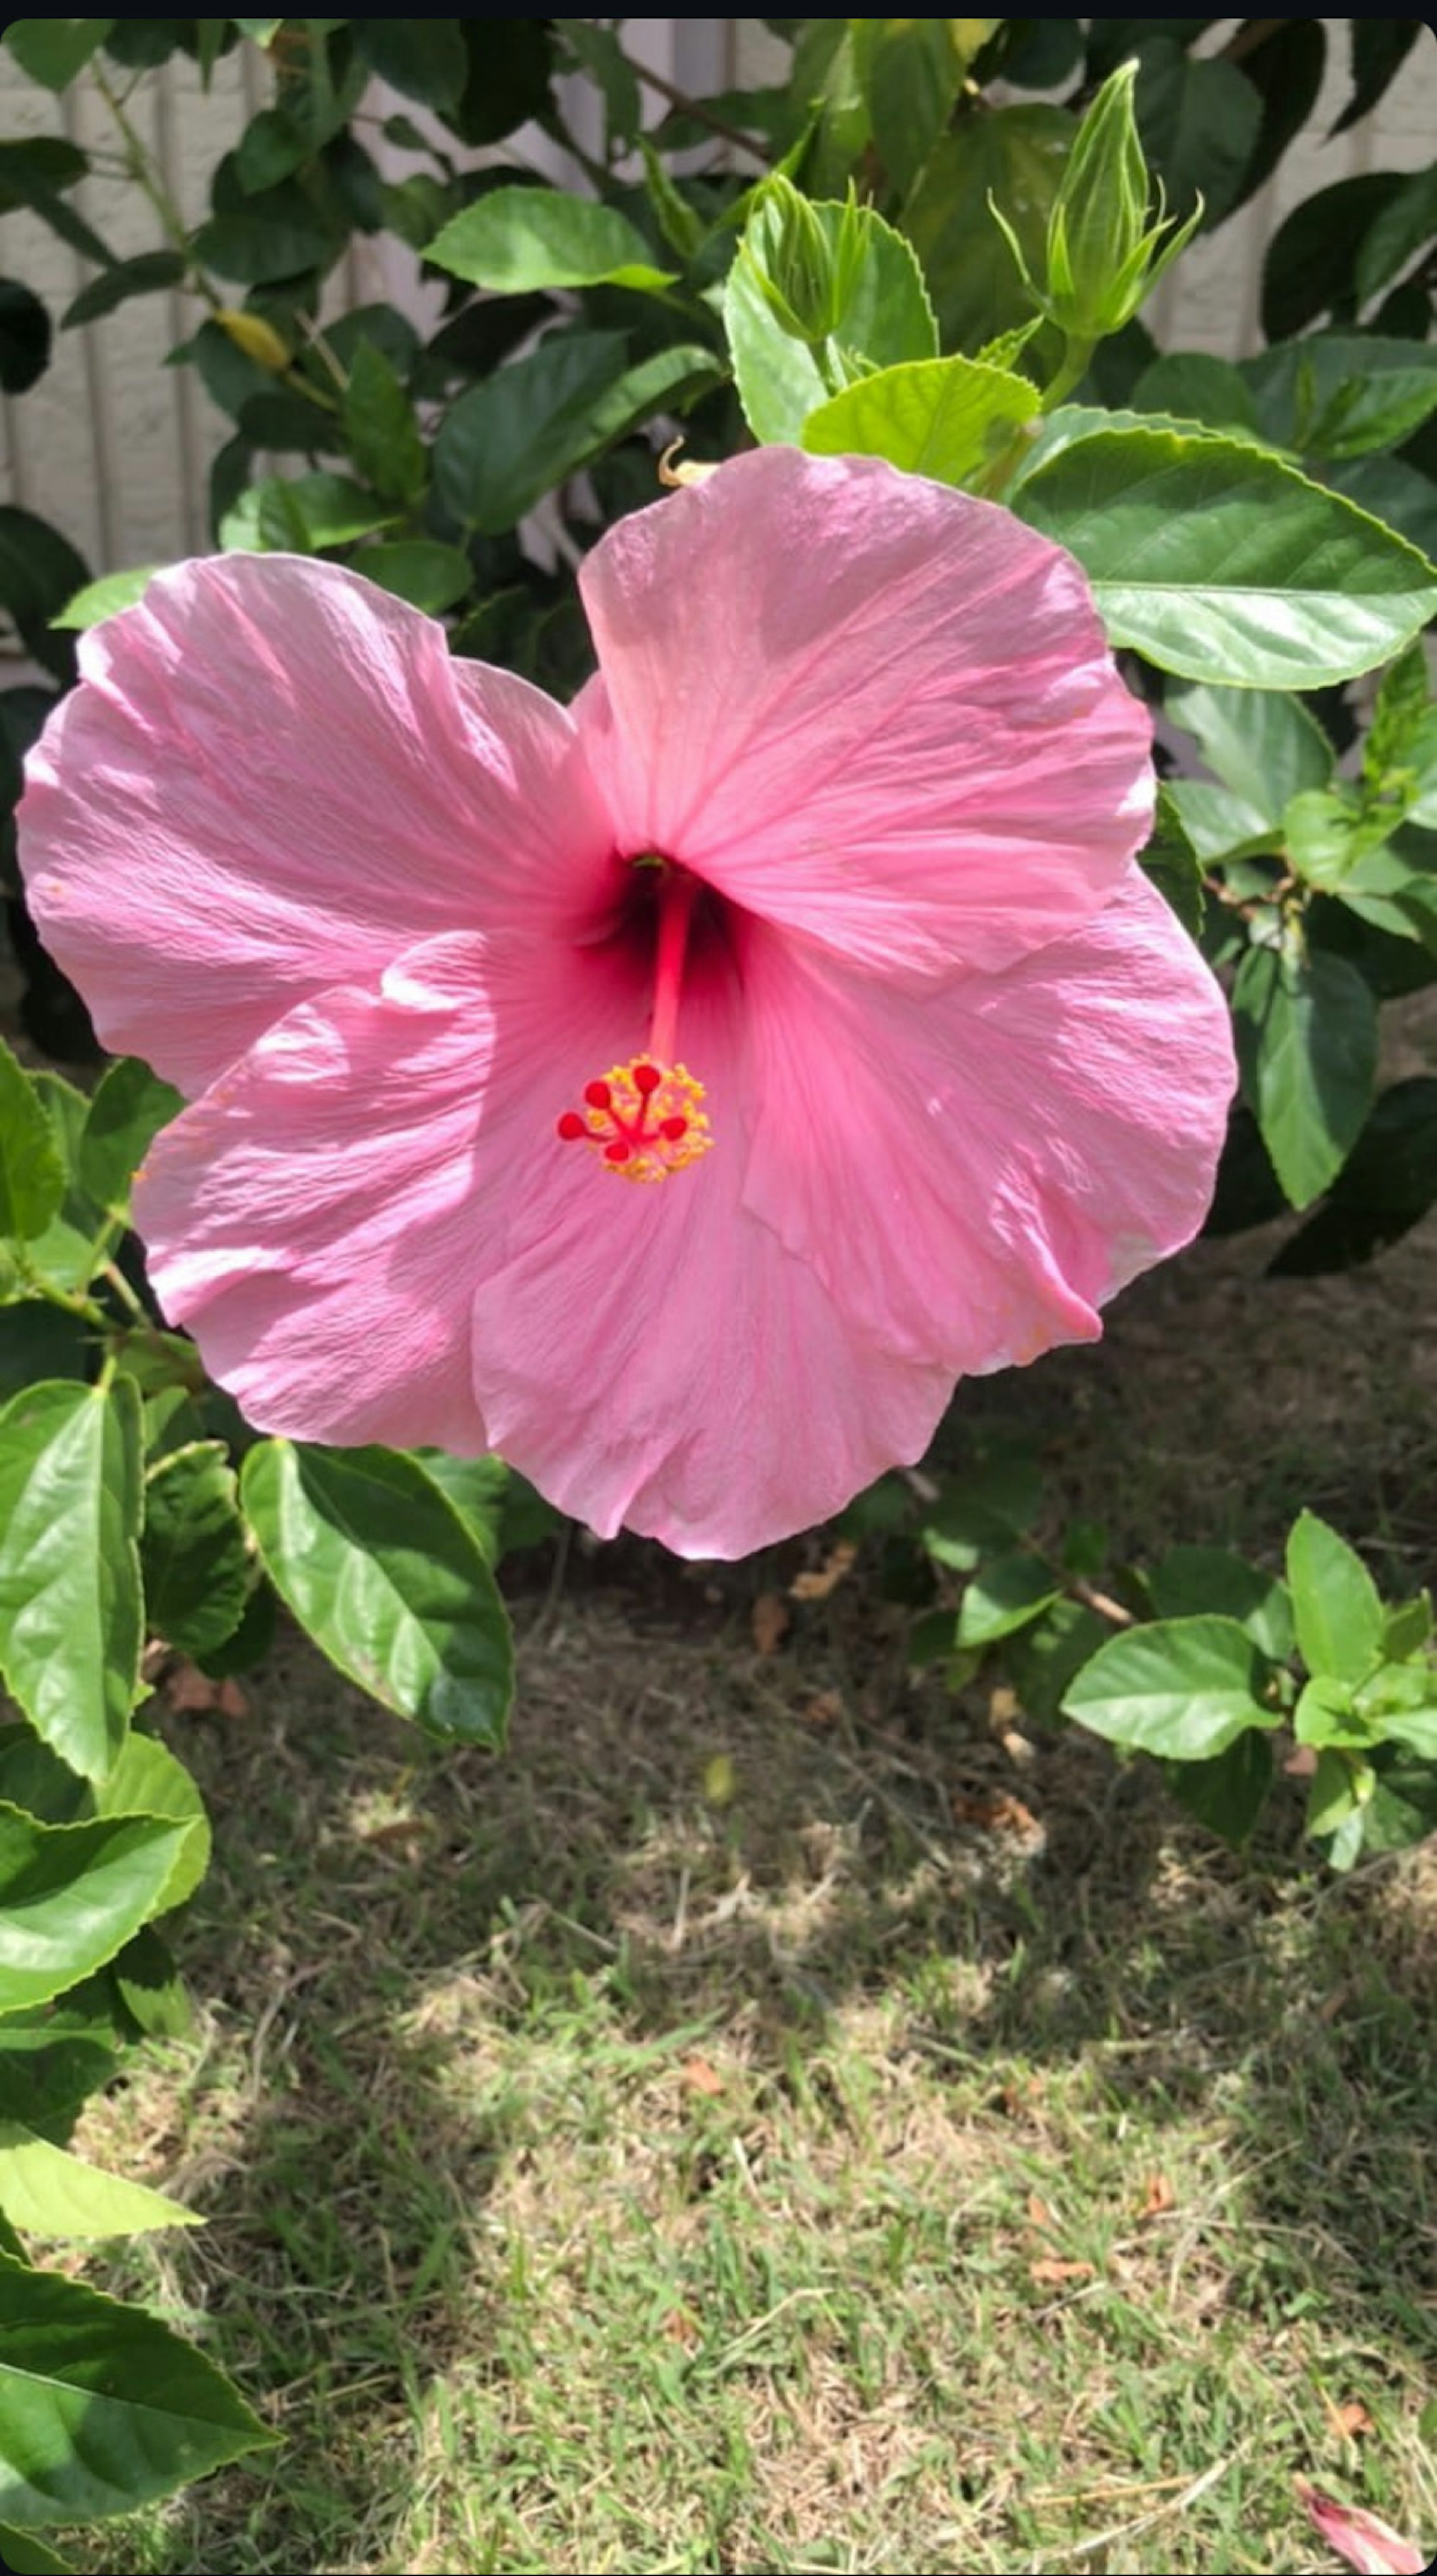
(644, 1119)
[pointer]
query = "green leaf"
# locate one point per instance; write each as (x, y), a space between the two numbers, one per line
(380, 427)
(1325, 1715)
(71, 1896)
(1262, 744)
(1008, 1593)
(32, 1175)
(285, 236)
(53, 50)
(1311, 261)
(25, 337)
(948, 418)
(511, 439)
(981, 1512)
(101, 2407)
(428, 575)
(1340, 394)
(271, 148)
(1403, 1806)
(1403, 228)
(105, 598)
(1199, 124)
(148, 1780)
(1306, 1031)
(1380, 47)
(1222, 564)
(886, 322)
(71, 1614)
(476, 1488)
(129, 1107)
(302, 514)
(66, 1253)
(911, 71)
(145, 275)
(251, 1640)
(423, 58)
(518, 240)
(1192, 385)
(261, 31)
(38, 1340)
(1041, 1661)
(1184, 1688)
(1190, 1581)
(150, 1989)
(1228, 1791)
(380, 1569)
(1407, 1627)
(1171, 863)
(196, 1563)
(1335, 1602)
(24, 2555)
(598, 52)
(48, 2192)
(39, 572)
(1014, 155)
(1218, 824)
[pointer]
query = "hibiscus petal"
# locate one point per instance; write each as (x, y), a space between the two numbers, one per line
(865, 707)
(653, 1356)
(974, 1169)
(274, 777)
(1366, 2542)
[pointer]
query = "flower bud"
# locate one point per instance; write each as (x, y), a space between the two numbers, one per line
(804, 263)
(1103, 258)
(256, 337)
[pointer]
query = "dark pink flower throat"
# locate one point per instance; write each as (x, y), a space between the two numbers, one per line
(645, 1119)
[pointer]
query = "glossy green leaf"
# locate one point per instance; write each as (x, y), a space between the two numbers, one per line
(380, 428)
(1385, 1187)
(1306, 1030)
(75, 1240)
(378, 1566)
(302, 514)
(53, 50)
(71, 1896)
(1189, 1582)
(1041, 1661)
(1407, 1627)
(1403, 1806)
(149, 1780)
(1340, 1786)
(1402, 229)
(1218, 824)
(1311, 260)
(423, 58)
(1171, 863)
(127, 1110)
(1222, 564)
(1228, 1791)
(1184, 1688)
(947, 418)
(1340, 394)
(48, 2192)
(101, 2407)
(1007, 1593)
(32, 1175)
(476, 1487)
(1192, 385)
(1261, 743)
(71, 1613)
(887, 322)
(508, 441)
(515, 241)
(1016, 156)
(148, 274)
(25, 337)
(983, 1509)
(196, 1563)
(1325, 1715)
(150, 1989)
(911, 71)
(1199, 121)
(419, 569)
(1335, 1602)
(105, 598)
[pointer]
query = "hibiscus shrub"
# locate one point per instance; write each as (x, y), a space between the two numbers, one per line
(857, 770)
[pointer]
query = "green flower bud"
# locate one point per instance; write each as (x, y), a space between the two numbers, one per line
(1103, 258)
(804, 259)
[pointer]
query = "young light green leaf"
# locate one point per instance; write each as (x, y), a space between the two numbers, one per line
(1306, 1030)
(71, 1611)
(1222, 564)
(518, 240)
(1325, 1714)
(1008, 1593)
(48, 2192)
(71, 1896)
(378, 1566)
(101, 2407)
(32, 1175)
(944, 417)
(196, 1562)
(126, 1113)
(1184, 1688)
(1336, 1604)
(105, 598)
(1261, 743)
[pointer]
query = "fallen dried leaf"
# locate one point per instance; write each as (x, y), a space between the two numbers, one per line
(1349, 2420)
(818, 1585)
(700, 2077)
(770, 1619)
(996, 1810)
(1050, 2270)
(824, 1709)
(1160, 2197)
(1039, 2214)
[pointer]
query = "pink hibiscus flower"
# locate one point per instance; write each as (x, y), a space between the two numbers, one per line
(816, 912)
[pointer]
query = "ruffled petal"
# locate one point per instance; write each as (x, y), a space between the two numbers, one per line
(273, 778)
(974, 1170)
(865, 707)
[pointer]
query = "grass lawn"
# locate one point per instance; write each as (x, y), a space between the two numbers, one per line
(780, 2117)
